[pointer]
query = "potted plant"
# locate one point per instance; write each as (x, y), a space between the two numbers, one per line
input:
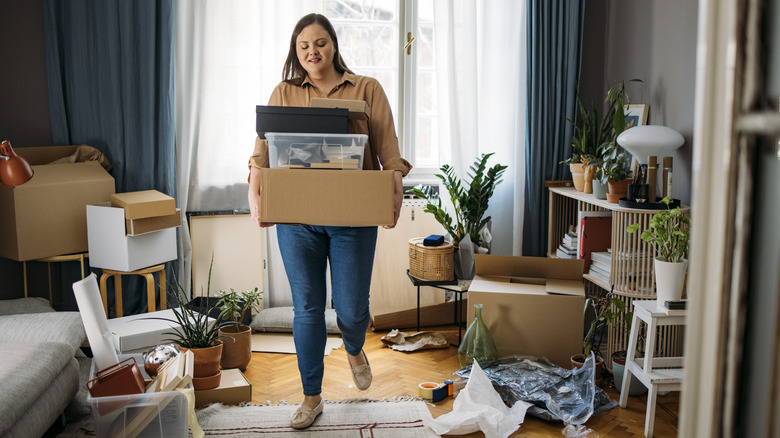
(615, 172)
(591, 134)
(668, 233)
(604, 310)
(470, 203)
(233, 305)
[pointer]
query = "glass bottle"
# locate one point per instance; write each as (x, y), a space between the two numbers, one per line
(477, 342)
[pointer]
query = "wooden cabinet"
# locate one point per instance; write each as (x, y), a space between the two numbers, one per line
(631, 276)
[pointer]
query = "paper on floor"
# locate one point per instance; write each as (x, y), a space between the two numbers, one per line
(478, 407)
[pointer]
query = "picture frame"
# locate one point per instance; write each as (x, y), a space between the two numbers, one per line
(636, 114)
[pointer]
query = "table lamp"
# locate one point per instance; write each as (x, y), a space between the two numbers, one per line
(646, 144)
(14, 170)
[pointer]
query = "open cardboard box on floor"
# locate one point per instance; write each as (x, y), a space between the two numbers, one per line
(46, 216)
(532, 305)
(327, 197)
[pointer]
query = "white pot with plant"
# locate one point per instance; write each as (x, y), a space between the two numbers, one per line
(237, 343)
(469, 227)
(668, 233)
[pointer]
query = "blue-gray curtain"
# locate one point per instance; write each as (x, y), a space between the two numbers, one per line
(110, 75)
(554, 52)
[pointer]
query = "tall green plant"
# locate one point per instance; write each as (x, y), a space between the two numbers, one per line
(470, 202)
(592, 133)
(668, 233)
(606, 310)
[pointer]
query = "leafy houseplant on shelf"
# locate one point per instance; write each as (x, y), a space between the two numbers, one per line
(669, 233)
(237, 349)
(591, 134)
(470, 203)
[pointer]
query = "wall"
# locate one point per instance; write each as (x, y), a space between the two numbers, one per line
(654, 41)
(24, 112)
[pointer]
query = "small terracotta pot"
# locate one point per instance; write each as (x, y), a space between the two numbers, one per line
(206, 359)
(237, 346)
(578, 360)
(207, 382)
(617, 190)
(578, 175)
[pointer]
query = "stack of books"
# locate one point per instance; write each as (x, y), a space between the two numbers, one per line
(600, 265)
(568, 247)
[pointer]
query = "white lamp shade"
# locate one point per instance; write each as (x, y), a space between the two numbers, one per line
(644, 141)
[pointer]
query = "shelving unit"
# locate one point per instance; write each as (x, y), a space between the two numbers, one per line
(632, 277)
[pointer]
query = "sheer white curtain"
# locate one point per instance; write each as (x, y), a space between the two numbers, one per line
(481, 71)
(228, 58)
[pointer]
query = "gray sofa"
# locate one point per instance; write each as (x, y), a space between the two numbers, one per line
(42, 368)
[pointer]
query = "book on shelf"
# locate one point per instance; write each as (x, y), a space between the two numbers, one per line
(602, 256)
(563, 254)
(599, 275)
(570, 239)
(601, 267)
(594, 234)
(599, 271)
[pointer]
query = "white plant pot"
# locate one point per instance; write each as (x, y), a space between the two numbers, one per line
(669, 279)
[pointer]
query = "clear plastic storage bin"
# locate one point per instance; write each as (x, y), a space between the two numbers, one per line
(155, 414)
(316, 151)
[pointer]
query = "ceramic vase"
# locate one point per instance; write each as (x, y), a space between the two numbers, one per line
(578, 175)
(477, 343)
(669, 280)
(599, 189)
(236, 346)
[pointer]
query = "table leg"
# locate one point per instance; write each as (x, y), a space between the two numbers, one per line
(163, 291)
(103, 280)
(118, 295)
(650, 415)
(630, 356)
(650, 345)
(418, 308)
(151, 304)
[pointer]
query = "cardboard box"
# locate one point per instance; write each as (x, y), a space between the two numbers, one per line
(300, 119)
(111, 248)
(46, 216)
(134, 227)
(532, 305)
(141, 332)
(233, 389)
(358, 109)
(143, 204)
(327, 197)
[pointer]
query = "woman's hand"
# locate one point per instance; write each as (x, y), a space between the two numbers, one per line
(254, 197)
(398, 198)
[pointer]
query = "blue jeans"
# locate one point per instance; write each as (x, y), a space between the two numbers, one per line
(305, 251)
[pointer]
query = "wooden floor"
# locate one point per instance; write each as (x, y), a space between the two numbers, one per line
(275, 378)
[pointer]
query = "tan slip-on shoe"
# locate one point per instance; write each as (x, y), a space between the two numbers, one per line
(305, 415)
(361, 374)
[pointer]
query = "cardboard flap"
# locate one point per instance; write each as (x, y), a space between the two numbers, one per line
(507, 285)
(565, 287)
(493, 265)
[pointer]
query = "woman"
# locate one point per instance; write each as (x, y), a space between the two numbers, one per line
(314, 68)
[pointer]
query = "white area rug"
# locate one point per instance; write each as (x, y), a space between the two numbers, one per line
(377, 419)
(283, 343)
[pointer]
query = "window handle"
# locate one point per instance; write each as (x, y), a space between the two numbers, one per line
(409, 40)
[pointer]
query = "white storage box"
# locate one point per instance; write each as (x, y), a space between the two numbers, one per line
(111, 248)
(143, 331)
(316, 151)
(155, 414)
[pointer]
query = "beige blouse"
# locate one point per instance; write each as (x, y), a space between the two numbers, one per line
(382, 140)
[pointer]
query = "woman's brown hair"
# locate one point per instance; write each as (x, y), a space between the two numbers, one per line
(293, 70)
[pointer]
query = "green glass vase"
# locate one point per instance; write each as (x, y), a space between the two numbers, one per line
(477, 342)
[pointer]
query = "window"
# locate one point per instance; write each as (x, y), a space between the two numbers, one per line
(244, 45)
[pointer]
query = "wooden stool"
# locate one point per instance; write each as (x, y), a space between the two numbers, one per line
(146, 272)
(55, 259)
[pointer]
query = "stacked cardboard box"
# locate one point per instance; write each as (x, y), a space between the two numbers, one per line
(134, 230)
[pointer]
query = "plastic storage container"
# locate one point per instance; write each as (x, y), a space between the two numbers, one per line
(316, 151)
(156, 414)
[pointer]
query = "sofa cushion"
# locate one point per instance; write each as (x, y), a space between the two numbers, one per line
(25, 305)
(65, 327)
(280, 319)
(35, 373)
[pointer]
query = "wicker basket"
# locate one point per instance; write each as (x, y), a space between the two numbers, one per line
(431, 263)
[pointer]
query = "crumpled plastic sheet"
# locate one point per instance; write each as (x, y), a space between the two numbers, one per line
(556, 394)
